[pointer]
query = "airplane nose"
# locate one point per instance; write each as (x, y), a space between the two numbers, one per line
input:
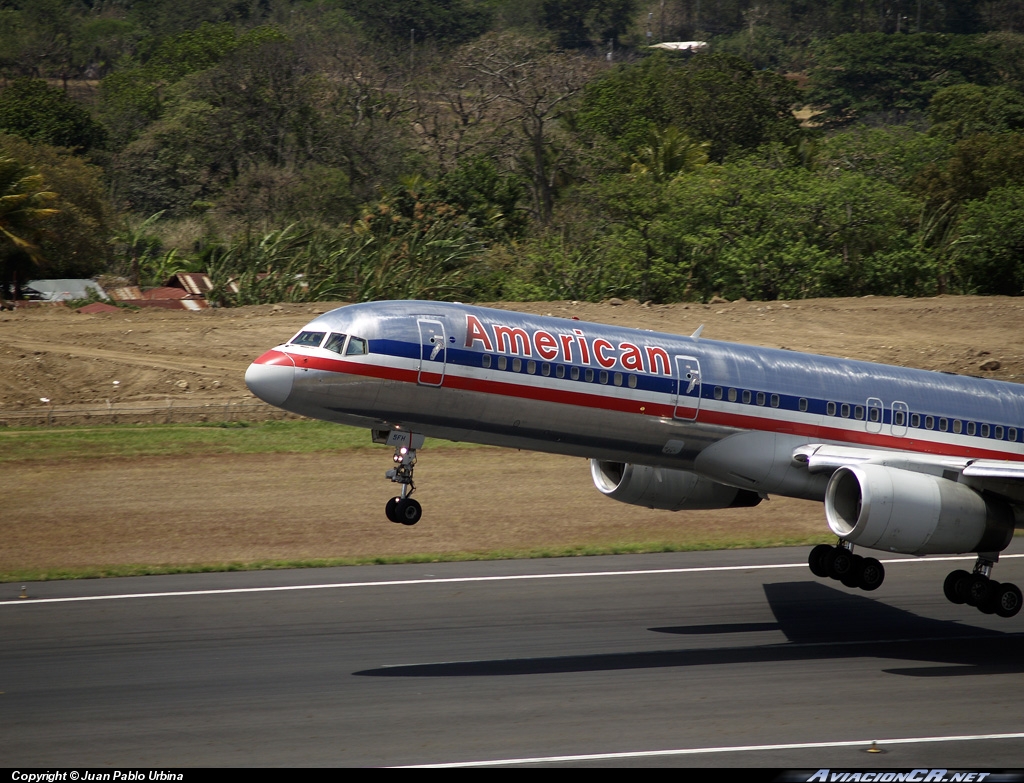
(270, 377)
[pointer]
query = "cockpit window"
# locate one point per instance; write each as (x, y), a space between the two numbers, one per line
(336, 342)
(312, 339)
(356, 345)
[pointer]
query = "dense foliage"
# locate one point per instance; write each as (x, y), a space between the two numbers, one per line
(326, 149)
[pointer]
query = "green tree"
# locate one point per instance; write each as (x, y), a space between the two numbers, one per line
(860, 75)
(710, 97)
(401, 22)
(74, 241)
(669, 153)
(579, 24)
(134, 96)
(966, 109)
(534, 90)
(24, 203)
(894, 154)
(990, 258)
(489, 200)
(42, 114)
(977, 164)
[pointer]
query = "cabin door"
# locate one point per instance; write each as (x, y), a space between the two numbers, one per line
(433, 352)
(687, 388)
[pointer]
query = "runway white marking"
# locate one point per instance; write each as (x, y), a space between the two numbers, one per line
(454, 580)
(727, 749)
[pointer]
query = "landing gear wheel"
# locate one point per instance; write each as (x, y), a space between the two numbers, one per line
(955, 586)
(391, 509)
(988, 604)
(816, 560)
(872, 574)
(977, 590)
(1007, 600)
(852, 577)
(408, 511)
(839, 562)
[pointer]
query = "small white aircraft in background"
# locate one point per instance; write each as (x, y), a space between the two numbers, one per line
(905, 460)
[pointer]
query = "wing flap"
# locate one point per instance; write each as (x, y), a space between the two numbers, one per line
(818, 457)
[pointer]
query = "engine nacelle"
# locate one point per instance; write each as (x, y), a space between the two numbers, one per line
(674, 490)
(914, 513)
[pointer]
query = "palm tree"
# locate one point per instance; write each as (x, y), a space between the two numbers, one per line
(23, 200)
(669, 153)
(23, 206)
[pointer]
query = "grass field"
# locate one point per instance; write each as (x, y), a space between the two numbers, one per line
(140, 499)
(162, 440)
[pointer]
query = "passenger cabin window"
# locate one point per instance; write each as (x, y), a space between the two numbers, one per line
(943, 424)
(984, 430)
(972, 428)
(999, 433)
(957, 426)
(746, 397)
(929, 422)
(545, 369)
(487, 361)
(844, 411)
(517, 365)
(603, 375)
(718, 392)
(618, 379)
(875, 414)
(356, 346)
(632, 381)
(775, 401)
(574, 373)
(915, 420)
(1012, 434)
(589, 375)
(560, 371)
(531, 367)
(899, 418)
(502, 363)
(858, 413)
(336, 342)
(760, 398)
(732, 395)
(830, 409)
(311, 339)
(803, 405)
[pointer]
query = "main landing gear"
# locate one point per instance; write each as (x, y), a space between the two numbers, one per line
(403, 509)
(839, 562)
(980, 590)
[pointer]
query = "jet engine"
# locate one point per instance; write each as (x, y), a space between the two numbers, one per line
(674, 490)
(914, 513)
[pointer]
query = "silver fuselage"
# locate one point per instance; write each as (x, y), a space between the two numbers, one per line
(731, 412)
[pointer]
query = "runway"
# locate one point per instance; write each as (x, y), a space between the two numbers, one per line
(738, 658)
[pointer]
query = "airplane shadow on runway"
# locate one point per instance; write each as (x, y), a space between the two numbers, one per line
(818, 621)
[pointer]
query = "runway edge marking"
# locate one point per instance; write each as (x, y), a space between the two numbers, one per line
(449, 580)
(724, 749)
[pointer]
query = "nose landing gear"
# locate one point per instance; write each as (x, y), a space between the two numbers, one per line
(403, 509)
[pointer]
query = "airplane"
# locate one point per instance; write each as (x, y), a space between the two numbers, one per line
(906, 461)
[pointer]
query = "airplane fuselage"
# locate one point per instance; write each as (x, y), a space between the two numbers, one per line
(466, 373)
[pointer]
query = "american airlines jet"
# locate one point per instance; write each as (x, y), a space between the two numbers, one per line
(905, 460)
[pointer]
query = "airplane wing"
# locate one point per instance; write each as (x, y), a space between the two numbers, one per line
(1003, 477)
